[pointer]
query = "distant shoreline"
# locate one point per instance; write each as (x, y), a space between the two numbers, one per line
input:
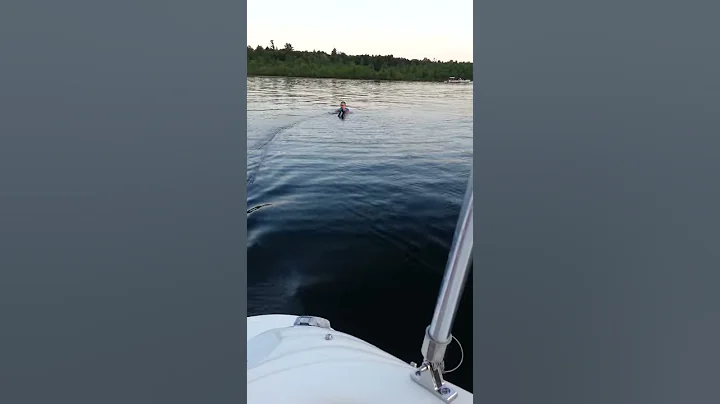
(287, 62)
(342, 78)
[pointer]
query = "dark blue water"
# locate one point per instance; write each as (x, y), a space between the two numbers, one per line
(352, 220)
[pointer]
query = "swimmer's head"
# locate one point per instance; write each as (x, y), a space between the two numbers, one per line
(342, 104)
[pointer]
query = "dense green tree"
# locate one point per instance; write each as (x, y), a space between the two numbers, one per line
(272, 61)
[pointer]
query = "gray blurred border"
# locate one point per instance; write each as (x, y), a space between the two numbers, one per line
(597, 161)
(242, 266)
(122, 202)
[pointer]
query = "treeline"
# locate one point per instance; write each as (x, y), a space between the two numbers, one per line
(286, 61)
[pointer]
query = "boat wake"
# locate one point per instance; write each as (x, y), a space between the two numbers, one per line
(254, 208)
(261, 146)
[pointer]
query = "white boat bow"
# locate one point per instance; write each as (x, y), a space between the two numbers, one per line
(300, 364)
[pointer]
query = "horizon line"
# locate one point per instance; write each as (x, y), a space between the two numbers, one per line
(363, 54)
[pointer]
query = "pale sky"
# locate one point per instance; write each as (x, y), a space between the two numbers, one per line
(404, 28)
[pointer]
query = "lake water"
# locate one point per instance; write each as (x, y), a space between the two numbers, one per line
(352, 220)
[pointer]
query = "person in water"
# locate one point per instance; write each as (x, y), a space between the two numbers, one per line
(342, 110)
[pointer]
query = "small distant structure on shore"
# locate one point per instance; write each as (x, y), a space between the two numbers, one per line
(458, 80)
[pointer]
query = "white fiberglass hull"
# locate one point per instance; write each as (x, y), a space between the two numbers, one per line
(303, 364)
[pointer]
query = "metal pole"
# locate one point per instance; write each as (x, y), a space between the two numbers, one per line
(439, 334)
(456, 271)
